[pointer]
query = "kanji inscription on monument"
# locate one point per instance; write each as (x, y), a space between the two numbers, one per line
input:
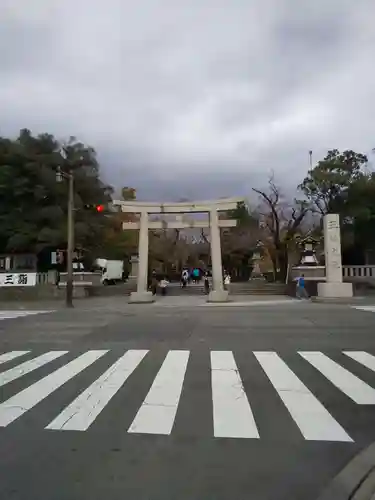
(333, 248)
(334, 286)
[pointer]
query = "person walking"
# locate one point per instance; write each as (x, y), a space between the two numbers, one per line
(206, 283)
(163, 286)
(195, 275)
(301, 292)
(184, 278)
(154, 284)
(227, 280)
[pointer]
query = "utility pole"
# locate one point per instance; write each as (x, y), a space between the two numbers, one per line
(310, 158)
(70, 249)
(60, 175)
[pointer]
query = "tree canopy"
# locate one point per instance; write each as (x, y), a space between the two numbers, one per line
(33, 204)
(343, 183)
(327, 184)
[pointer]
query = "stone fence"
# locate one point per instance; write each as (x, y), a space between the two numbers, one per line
(361, 277)
(349, 273)
(358, 271)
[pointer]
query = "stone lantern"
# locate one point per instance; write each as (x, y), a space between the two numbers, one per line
(256, 273)
(308, 251)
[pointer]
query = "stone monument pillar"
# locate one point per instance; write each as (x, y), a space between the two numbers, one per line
(334, 286)
(142, 295)
(217, 294)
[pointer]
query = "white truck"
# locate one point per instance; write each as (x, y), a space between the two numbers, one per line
(112, 271)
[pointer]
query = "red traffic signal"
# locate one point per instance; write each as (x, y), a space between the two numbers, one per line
(93, 207)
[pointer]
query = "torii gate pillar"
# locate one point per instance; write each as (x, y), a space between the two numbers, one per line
(217, 294)
(142, 295)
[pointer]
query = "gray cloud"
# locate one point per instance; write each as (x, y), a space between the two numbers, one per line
(192, 98)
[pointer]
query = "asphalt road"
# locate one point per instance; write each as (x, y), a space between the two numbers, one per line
(190, 403)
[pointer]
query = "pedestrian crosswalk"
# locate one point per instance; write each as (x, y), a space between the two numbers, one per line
(19, 314)
(234, 407)
(80, 414)
(348, 383)
(312, 418)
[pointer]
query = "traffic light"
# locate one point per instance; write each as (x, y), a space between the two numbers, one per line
(94, 207)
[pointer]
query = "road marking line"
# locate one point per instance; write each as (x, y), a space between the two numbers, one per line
(364, 308)
(19, 314)
(232, 415)
(158, 411)
(8, 356)
(362, 357)
(312, 418)
(23, 401)
(12, 315)
(343, 379)
(29, 366)
(81, 413)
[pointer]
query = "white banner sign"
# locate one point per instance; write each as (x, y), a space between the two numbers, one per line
(17, 279)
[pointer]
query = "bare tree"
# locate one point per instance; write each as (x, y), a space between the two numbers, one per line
(280, 221)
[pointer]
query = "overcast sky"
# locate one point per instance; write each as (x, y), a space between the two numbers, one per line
(192, 98)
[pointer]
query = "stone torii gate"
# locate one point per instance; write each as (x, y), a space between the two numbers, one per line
(218, 294)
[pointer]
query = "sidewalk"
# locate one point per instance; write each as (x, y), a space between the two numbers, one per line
(366, 490)
(234, 301)
(34, 305)
(356, 481)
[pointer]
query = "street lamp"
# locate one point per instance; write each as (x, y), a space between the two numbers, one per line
(60, 176)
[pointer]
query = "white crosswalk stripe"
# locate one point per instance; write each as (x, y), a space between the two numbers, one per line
(79, 415)
(29, 366)
(232, 407)
(232, 414)
(8, 356)
(17, 405)
(158, 411)
(362, 357)
(343, 379)
(313, 420)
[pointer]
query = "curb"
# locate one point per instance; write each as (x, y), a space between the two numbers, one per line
(347, 484)
(340, 300)
(253, 303)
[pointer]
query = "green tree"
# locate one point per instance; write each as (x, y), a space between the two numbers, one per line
(341, 183)
(359, 221)
(238, 242)
(116, 243)
(33, 204)
(326, 185)
(243, 215)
